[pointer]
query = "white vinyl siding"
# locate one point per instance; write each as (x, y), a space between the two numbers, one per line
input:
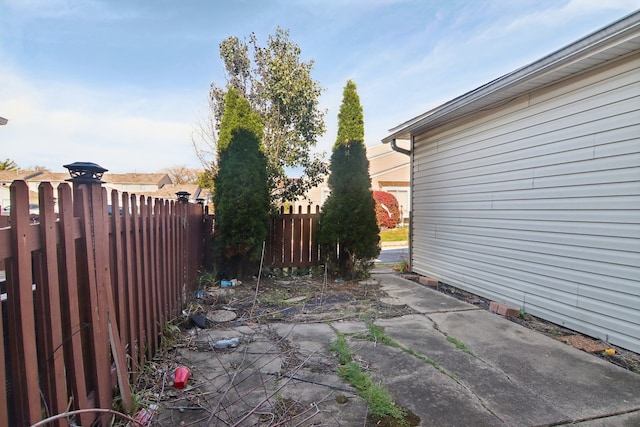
(536, 203)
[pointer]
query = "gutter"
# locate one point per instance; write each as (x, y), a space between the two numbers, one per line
(394, 147)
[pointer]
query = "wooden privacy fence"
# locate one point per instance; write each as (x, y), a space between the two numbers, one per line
(292, 240)
(87, 295)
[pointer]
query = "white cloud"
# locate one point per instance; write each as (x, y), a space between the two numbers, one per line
(62, 123)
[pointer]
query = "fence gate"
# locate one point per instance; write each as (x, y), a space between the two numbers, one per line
(292, 240)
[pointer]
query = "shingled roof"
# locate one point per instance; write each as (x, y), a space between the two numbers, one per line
(18, 174)
(136, 178)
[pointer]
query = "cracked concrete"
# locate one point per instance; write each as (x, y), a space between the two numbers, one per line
(455, 365)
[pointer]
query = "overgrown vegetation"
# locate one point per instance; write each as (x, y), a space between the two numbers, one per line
(348, 232)
(375, 396)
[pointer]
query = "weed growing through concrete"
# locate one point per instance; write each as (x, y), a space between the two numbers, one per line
(375, 396)
(459, 345)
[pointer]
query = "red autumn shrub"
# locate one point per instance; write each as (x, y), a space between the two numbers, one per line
(387, 209)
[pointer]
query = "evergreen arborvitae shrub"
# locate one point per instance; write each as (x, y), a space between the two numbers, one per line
(387, 209)
(241, 189)
(348, 231)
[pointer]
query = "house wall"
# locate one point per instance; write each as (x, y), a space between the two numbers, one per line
(388, 170)
(536, 203)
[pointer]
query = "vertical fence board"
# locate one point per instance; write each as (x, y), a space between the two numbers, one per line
(160, 261)
(118, 267)
(175, 247)
(153, 289)
(181, 255)
(88, 198)
(49, 300)
(22, 334)
(286, 243)
(71, 323)
(129, 256)
(306, 239)
(146, 280)
(296, 241)
(4, 401)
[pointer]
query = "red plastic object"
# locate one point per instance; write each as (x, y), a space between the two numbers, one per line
(181, 376)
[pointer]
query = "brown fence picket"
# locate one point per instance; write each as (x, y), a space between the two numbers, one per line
(48, 301)
(91, 210)
(4, 401)
(72, 326)
(21, 327)
(118, 265)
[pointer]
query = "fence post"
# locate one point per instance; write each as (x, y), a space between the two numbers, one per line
(90, 203)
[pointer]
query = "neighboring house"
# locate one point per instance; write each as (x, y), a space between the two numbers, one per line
(6, 178)
(169, 191)
(389, 171)
(527, 190)
(135, 183)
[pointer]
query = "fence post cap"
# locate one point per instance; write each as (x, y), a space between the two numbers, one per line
(183, 196)
(85, 172)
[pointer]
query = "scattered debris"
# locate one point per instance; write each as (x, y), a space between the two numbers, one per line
(199, 320)
(181, 376)
(221, 316)
(583, 343)
(226, 343)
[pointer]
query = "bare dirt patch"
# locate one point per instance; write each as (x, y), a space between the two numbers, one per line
(299, 300)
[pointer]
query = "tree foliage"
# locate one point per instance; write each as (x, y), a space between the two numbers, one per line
(8, 165)
(279, 87)
(348, 232)
(387, 209)
(241, 191)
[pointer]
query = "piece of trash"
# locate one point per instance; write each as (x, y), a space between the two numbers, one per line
(145, 416)
(199, 293)
(181, 376)
(229, 308)
(339, 280)
(226, 343)
(226, 283)
(199, 320)
(610, 351)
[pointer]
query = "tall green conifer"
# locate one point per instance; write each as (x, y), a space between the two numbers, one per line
(348, 231)
(241, 189)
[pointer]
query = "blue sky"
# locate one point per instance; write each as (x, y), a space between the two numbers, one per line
(122, 83)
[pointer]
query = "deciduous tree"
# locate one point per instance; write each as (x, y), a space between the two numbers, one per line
(348, 232)
(279, 87)
(182, 174)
